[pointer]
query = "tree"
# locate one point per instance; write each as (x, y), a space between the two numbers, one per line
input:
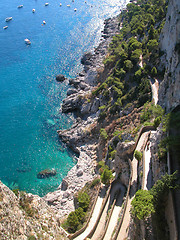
(80, 214)
(106, 176)
(72, 222)
(152, 45)
(153, 72)
(83, 199)
(128, 65)
(138, 155)
(136, 55)
(142, 204)
(152, 33)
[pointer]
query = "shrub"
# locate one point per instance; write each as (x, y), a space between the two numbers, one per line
(152, 45)
(128, 65)
(95, 182)
(80, 214)
(142, 204)
(138, 155)
(83, 199)
(106, 176)
(72, 222)
(157, 121)
(103, 134)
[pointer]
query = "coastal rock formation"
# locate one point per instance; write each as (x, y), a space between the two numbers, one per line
(46, 173)
(60, 78)
(27, 216)
(79, 137)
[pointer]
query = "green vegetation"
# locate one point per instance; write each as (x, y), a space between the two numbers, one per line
(152, 203)
(160, 192)
(76, 218)
(103, 134)
(31, 237)
(83, 200)
(105, 172)
(142, 204)
(138, 155)
(128, 82)
(151, 111)
(106, 176)
(95, 182)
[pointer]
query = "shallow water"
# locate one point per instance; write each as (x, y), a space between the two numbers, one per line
(30, 97)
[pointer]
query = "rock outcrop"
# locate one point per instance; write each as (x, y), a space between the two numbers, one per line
(169, 91)
(26, 216)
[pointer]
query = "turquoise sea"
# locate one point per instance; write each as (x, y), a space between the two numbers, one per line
(30, 97)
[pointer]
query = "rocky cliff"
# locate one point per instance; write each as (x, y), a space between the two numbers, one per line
(26, 216)
(169, 91)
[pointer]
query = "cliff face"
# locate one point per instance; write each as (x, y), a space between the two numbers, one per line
(26, 216)
(169, 91)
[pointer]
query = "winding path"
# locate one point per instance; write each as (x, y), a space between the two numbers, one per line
(123, 233)
(94, 217)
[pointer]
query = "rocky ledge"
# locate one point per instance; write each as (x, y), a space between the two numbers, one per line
(79, 137)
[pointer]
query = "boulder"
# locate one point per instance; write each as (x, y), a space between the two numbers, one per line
(79, 172)
(60, 78)
(71, 91)
(86, 58)
(46, 173)
(64, 185)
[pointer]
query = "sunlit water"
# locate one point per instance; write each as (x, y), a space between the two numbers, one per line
(30, 97)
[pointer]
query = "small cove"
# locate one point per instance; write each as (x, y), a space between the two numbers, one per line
(30, 97)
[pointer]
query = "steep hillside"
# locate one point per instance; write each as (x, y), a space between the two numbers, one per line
(26, 216)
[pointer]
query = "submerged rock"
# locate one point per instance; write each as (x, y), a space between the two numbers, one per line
(60, 78)
(46, 173)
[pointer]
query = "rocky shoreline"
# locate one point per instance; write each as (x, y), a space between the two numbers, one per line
(79, 137)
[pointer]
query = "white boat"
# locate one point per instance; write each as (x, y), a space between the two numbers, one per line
(46, 4)
(60, 4)
(33, 10)
(27, 41)
(5, 27)
(20, 6)
(44, 22)
(68, 5)
(75, 9)
(8, 19)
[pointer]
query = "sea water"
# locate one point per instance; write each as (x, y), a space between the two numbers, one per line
(30, 97)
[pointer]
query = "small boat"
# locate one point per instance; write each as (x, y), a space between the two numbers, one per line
(68, 5)
(46, 4)
(5, 27)
(27, 41)
(44, 22)
(20, 6)
(60, 4)
(75, 9)
(33, 10)
(8, 19)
